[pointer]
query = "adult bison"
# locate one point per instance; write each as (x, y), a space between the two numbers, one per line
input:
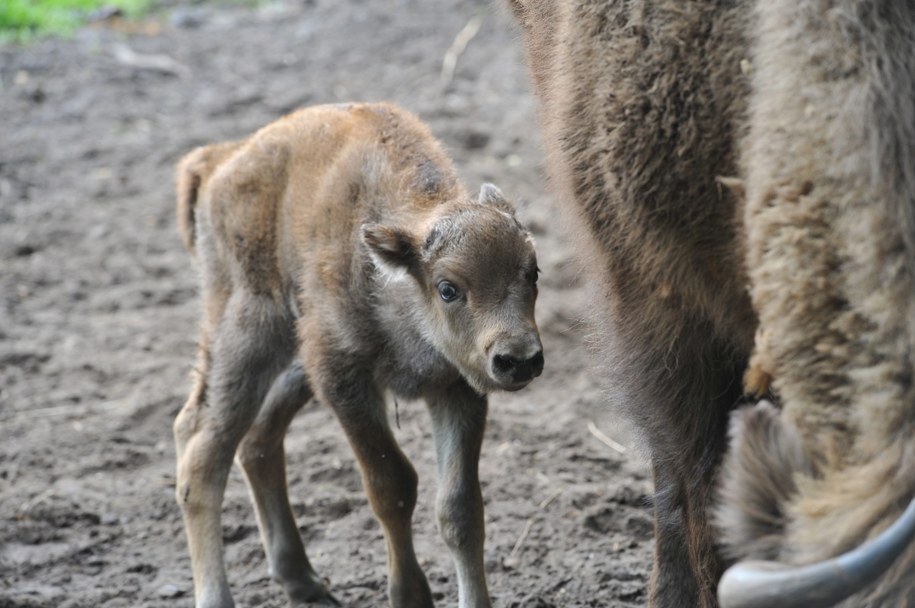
(742, 175)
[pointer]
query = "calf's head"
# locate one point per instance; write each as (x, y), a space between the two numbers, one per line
(472, 275)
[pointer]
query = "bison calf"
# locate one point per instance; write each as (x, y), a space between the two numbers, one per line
(341, 258)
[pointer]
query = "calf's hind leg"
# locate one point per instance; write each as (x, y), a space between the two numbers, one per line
(243, 355)
(263, 460)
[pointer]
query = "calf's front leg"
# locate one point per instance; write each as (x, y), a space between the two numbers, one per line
(388, 477)
(459, 420)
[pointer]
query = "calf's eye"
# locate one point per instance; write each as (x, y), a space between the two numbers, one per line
(448, 291)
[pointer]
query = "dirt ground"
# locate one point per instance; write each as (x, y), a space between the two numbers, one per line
(99, 306)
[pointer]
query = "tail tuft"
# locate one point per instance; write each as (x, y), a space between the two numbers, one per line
(757, 482)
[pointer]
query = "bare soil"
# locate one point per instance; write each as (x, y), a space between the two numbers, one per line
(99, 307)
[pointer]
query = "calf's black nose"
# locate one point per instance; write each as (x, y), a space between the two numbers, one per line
(519, 370)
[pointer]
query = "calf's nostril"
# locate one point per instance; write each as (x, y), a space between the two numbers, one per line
(503, 363)
(536, 362)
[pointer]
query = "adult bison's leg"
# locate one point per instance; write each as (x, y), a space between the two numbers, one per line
(672, 577)
(685, 428)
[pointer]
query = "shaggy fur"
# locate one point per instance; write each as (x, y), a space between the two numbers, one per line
(829, 179)
(742, 174)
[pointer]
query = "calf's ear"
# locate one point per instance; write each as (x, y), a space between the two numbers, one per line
(490, 194)
(393, 247)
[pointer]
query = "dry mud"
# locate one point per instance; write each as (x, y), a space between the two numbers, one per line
(99, 306)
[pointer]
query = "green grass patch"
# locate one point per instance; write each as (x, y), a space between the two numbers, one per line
(23, 19)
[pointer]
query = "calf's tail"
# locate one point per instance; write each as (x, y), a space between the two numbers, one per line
(192, 174)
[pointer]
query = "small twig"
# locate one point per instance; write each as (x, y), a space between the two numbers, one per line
(592, 428)
(513, 556)
(512, 560)
(397, 414)
(546, 502)
(154, 63)
(449, 62)
(734, 184)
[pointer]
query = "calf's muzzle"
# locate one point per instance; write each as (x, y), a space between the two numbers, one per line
(515, 366)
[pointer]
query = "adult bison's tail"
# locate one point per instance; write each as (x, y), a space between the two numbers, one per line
(192, 173)
(761, 584)
(760, 479)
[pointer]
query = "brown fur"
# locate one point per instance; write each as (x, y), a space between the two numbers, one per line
(652, 110)
(641, 103)
(325, 240)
